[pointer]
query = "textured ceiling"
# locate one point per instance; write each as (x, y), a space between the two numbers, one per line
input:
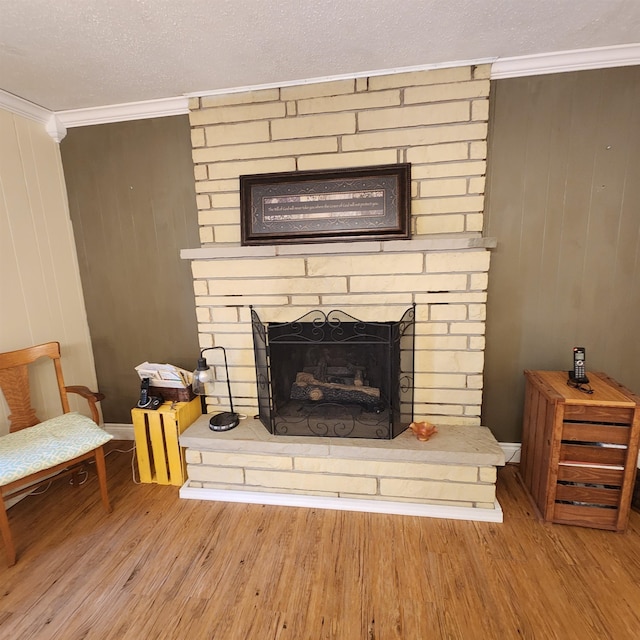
(71, 54)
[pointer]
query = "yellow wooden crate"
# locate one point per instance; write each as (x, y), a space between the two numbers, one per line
(160, 457)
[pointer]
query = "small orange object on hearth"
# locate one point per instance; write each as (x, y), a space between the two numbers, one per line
(423, 430)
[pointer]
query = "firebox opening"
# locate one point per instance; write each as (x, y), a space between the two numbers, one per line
(335, 376)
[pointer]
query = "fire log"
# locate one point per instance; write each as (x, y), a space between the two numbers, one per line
(306, 387)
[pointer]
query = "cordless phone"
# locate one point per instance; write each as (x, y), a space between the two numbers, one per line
(144, 394)
(579, 374)
(146, 401)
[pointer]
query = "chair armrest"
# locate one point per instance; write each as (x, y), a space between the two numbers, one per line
(92, 397)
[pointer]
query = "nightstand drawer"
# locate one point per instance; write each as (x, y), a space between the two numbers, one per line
(586, 516)
(587, 495)
(591, 453)
(588, 432)
(590, 474)
(586, 413)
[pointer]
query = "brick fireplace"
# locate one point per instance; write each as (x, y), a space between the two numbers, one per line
(437, 121)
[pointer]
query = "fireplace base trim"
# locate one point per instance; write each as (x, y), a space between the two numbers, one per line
(187, 491)
(453, 475)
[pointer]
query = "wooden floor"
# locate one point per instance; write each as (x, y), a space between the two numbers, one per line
(161, 567)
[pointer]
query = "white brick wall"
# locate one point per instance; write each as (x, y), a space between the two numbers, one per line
(437, 121)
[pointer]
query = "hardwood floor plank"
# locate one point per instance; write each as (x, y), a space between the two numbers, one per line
(164, 568)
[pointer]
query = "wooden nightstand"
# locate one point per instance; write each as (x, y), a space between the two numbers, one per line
(580, 451)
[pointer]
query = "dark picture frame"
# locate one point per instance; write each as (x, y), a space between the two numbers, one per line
(362, 203)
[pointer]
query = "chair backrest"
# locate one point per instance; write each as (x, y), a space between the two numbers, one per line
(14, 382)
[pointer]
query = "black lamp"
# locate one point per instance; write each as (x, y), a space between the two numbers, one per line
(201, 376)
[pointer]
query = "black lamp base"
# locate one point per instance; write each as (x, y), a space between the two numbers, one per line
(224, 421)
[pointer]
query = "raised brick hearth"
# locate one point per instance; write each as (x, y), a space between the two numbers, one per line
(452, 475)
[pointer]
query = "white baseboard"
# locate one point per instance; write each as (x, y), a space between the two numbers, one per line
(511, 451)
(344, 504)
(119, 431)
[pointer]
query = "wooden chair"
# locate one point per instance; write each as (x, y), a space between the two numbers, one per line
(33, 451)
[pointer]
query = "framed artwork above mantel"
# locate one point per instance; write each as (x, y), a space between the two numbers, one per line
(362, 203)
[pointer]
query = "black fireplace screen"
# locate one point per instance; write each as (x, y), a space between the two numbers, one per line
(334, 375)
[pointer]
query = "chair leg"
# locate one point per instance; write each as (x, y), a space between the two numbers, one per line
(6, 533)
(101, 470)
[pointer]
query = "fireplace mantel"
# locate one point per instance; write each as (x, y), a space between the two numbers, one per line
(438, 242)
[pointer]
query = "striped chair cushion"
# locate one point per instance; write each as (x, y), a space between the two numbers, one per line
(47, 444)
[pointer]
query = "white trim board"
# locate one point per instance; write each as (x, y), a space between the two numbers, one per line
(511, 451)
(344, 504)
(556, 62)
(19, 106)
(119, 431)
(564, 61)
(24, 108)
(123, 112)
(56, 123)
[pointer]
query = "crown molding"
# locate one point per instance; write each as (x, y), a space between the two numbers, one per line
(24, 108)
(122, 112)
(345, 76)
(57, 123)
(31, 111)
(563, 61)
(55, 128)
